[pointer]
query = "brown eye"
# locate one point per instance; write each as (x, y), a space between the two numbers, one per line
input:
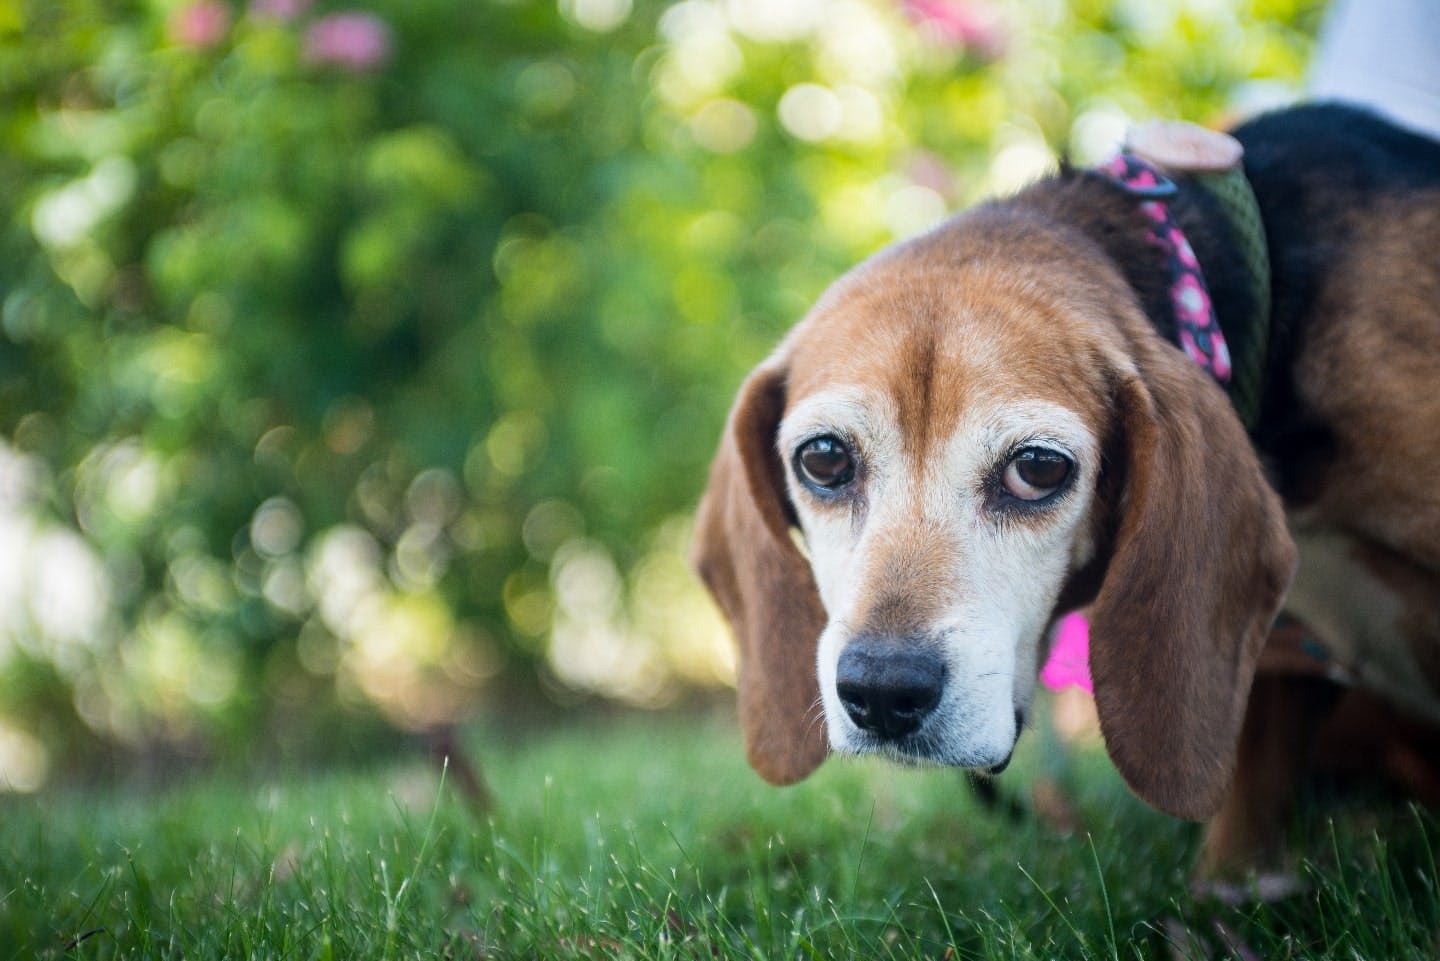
(825, 462)
(1035, 473)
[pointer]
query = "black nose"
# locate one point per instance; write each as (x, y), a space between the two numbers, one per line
(888, 690)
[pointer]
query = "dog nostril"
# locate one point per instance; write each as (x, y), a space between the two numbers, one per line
(853, 697)
(886, 691)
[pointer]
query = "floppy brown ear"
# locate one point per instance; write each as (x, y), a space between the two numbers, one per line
(1201, 562)
(764, 587)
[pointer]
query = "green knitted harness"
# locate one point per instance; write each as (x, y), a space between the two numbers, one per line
(1235, 198)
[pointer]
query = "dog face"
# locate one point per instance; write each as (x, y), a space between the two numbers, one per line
(943, 482)
(971, 434)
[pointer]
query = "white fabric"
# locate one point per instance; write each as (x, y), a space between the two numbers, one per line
(1384, 54)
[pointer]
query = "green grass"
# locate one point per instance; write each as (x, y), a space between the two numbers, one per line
(649, 838)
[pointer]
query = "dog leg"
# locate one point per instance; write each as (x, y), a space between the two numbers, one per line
(1246, 840)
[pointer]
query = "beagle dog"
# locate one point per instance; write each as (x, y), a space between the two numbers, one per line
(1019, 414)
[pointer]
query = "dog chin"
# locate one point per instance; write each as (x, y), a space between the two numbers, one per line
(920, 750)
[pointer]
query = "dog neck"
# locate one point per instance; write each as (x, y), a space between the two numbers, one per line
(1223, 216)
(1112, 216)
(1223, 222)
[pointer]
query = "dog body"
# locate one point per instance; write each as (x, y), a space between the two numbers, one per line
(983, 428)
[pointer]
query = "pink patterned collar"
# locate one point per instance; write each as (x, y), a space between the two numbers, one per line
(1196, 325)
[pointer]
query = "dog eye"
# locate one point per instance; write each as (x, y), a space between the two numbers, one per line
(1035, 473)
(825, 462)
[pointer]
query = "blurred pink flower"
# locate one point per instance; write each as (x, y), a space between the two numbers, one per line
(974, 25)
(282, 11)
(355, 41)
(1069, 661)
(201, 24)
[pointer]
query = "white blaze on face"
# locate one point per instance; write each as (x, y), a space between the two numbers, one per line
(927, 547)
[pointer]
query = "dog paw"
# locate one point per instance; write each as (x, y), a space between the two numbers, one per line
(1264, 887)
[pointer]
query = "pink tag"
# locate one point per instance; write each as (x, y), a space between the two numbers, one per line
(1069, 663)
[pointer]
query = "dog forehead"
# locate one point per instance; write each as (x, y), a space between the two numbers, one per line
(938, 343)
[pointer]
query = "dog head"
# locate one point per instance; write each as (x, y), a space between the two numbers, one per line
(969, 435)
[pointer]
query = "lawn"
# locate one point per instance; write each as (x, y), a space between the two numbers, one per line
(647, 837)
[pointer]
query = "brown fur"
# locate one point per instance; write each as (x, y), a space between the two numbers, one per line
(763, 585)
(1369, 369)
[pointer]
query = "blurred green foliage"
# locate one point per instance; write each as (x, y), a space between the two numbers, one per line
(364, 376)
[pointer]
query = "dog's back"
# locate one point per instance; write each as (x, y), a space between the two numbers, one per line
(1352, 427)
(1351, 208)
